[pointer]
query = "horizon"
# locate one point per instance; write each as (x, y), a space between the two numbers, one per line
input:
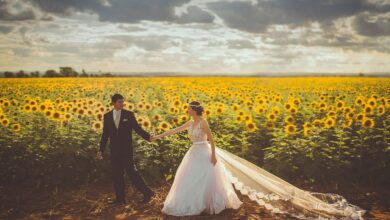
(197, 36)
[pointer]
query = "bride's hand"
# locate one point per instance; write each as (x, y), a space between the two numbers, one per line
(213, 159)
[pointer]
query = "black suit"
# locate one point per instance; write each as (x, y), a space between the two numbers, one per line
(121, 150)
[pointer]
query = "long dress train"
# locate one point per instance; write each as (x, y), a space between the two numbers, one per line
(199, 186)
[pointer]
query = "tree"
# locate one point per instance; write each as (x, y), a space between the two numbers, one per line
(35, 74)
(9, 74)
(21, 74)
(68, 72)
(84, 74)
(51, 73)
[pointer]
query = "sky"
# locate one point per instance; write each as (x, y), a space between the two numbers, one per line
(196, 36)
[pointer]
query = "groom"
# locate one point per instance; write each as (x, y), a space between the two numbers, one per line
(118, 125)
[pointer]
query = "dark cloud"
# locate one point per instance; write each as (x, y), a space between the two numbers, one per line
(128, 11)
(6, 29)
(372, 27)
(196, 15)
(15, 15)
(256, 18)
(330, 38)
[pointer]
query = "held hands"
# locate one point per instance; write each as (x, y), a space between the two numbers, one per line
(154, 137)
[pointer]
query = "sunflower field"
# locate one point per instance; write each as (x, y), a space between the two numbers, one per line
(311, 128)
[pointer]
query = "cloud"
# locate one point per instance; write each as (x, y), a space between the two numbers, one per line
(372, 26)
(241, 44)
(128, 11)
(15, 11)
(6, 29)
(257, 17)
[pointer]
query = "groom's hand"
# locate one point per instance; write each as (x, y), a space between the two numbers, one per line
(99, 155)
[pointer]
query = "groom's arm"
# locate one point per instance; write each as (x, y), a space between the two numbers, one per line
(104, 139)
(145, 135)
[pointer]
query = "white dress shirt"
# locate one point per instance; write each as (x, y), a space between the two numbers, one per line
(116, 112)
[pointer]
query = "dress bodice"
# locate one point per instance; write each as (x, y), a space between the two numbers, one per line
(196, 133)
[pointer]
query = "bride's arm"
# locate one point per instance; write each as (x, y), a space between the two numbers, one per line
(174, 130)
(206, 128)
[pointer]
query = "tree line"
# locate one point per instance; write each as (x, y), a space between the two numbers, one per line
(63, 72)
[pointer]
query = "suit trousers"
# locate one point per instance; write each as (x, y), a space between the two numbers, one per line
(121, 164)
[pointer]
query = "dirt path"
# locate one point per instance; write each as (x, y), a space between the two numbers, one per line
(89, 202)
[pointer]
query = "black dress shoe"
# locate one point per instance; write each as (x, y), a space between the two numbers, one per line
(116, 202)
(147, 197)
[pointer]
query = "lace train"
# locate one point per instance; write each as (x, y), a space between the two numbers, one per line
(281, 197)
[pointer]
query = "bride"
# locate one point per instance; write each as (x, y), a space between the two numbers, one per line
(205, 177)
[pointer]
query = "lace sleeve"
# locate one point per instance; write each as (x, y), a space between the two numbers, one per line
(177, 129)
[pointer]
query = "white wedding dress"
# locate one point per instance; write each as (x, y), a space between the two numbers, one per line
(199, 186)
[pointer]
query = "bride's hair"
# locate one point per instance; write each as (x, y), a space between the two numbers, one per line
(195, 105)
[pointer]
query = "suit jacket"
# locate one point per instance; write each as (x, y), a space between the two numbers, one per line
(121, 138)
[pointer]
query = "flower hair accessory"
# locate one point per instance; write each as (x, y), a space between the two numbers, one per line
(195, 105)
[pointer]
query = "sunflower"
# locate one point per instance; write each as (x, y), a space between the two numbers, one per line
(340, 105)
(176, 121)
(56, 115)
(368, 123)
(359, 100)
(239, 118)
(172, 110)
(381, 110)
(293, 110)
(15, 127)
(235, 107)
(156, 117)
(307, 132)
(207, 111)
(27, 108)
(260, 109)
(368, 109)
(48, 113)
(287, 106)
(184, 118)
(146, 124)
(322, 105)
(348, 110)
(5, 122)
(348, 123)
(307, 125)
(331, 114)
(349, 115)
(34, 108)
(276, 110)
(290, 129)
(289, 119)
(140, 105)
(148, 107)
(360, 117)
(80, 111)
(250, 126)
(164, 126)
(219, 110)
(329, 122)
(317, 122)
(130, 106)
(97, 125)
(247, 117)
(371, 102)
(271, 117)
